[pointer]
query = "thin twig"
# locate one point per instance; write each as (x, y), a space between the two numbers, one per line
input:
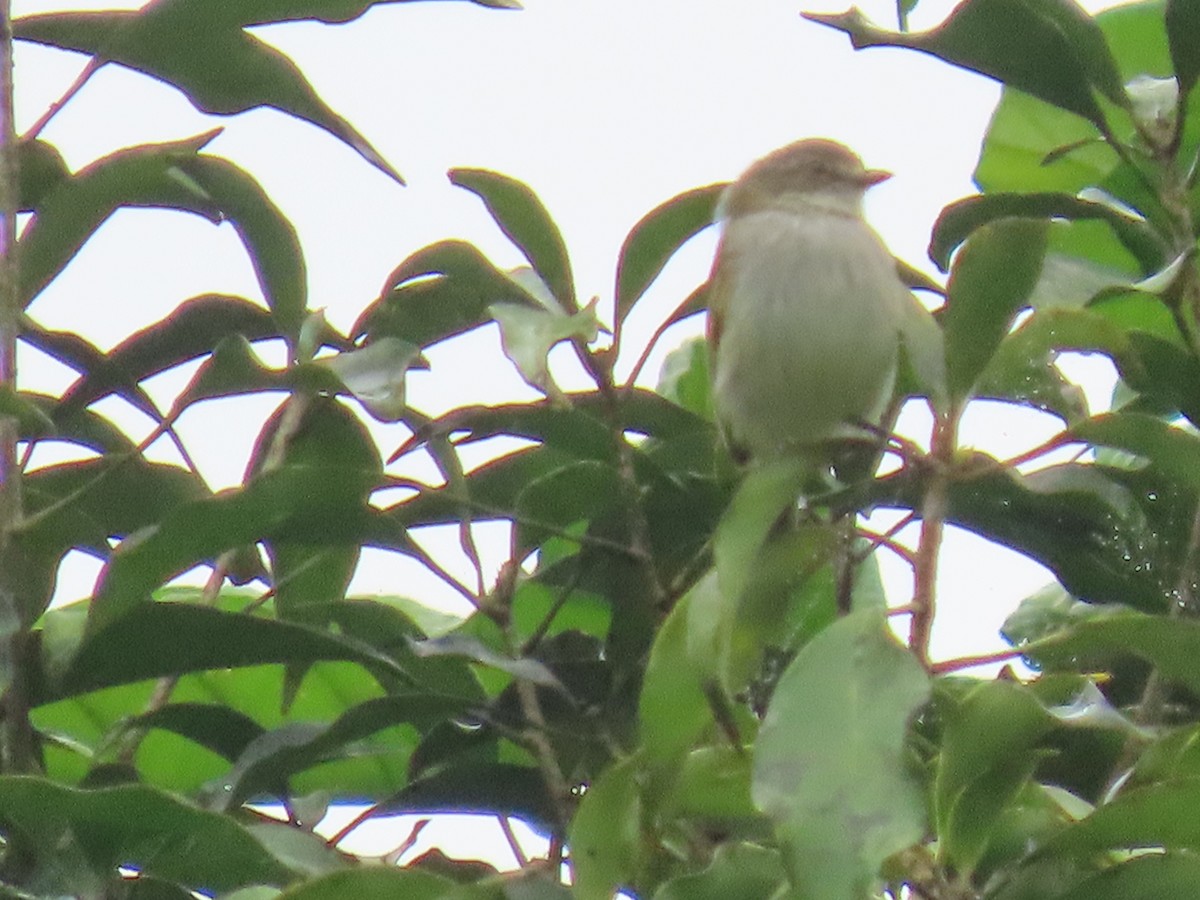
(514, 845)
(92, 67)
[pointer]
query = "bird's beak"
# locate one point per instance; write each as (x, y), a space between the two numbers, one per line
(874, 176)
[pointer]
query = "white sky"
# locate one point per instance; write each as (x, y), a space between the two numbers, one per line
(605, 107)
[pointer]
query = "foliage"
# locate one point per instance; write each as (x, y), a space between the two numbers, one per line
(660, 679)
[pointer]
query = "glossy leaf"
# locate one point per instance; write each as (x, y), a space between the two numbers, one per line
(831, 750)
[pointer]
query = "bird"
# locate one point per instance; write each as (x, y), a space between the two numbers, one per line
(806, 307)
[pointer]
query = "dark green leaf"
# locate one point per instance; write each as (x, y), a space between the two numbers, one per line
(193, 329)
(1048, 48)
(165, 639)
(213, 725)
(220, 67)
(521, 216)
(41, 168)
(1171, 646)
(313, 498)
(308, 575)
(269, 238)
(140, 827)
(149, 175)
(1172, 451)
(1157, 816)
(1183, 36)
(440, 291)
(656, 237)
(992, 279)
(958, 220)
(1153, 875)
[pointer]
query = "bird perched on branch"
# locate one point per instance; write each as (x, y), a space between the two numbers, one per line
(806, 306)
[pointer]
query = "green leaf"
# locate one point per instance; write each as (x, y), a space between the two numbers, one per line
(192, 330)
(138, 826)
(990, 283)
(655, 239)
(523, 218)
(219, 66)
(1171, 646)
(329, 440)
(1157, 816)
(1172, 451)
(988, 755)
(148, 175)
(763, 496)
(1182, 18)
(272, 758)
(605, 834)
(376, 375)
(372, 883)
(736, 870)
(440, 291)
(528, 335)
(673, 708)
(40, 167)
(166, 639)
(829, 763)
(685, 379)
(958, 220)
(1152, 875)
(318, 497)
(1048, 48)
(269, 238)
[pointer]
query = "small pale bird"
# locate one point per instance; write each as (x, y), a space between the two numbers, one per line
(806, 306)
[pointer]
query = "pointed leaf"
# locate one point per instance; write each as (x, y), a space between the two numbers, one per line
(1183, 37)
(523, 218)
(440, 291)
(991, 281)
(220, 67)
(656, 237)
(71, 211)
(1048, 48)
(138, 826)
(958, 220)
(192, 329)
